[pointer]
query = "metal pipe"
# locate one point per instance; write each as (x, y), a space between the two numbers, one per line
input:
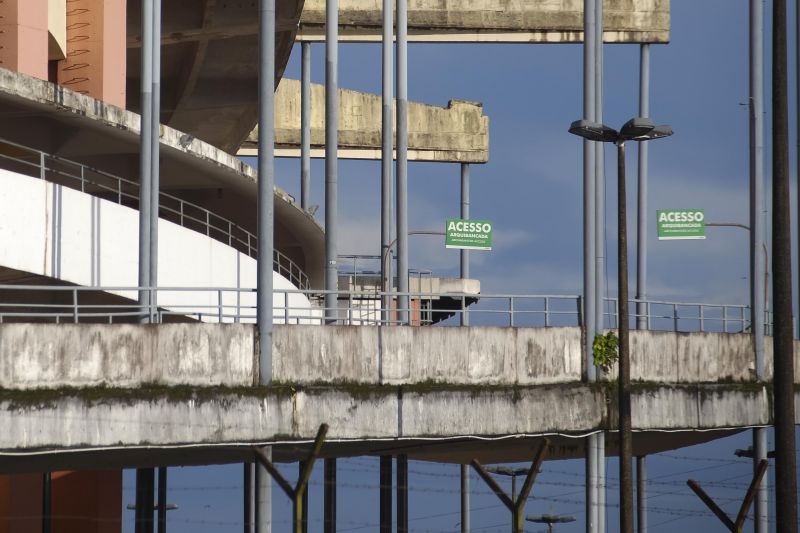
(248, 508)
(600, 186)
(145, 479)
(305, 125)
(331, 154)
(155, 153)
(783, 392)
(329, 525)
(465, 525)
(465, 216)
(145, 154)
(600, 444)
(641, 208)
(386, 494)
(589, 244)
(402, 493)
(758, 249)
(263, 496)
(387, 147)
(302, 495)
(162, 499)
(46, 502)
(641, 494)
(402, 161)
(266, 172)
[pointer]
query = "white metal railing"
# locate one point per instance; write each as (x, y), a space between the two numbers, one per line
(35, 163)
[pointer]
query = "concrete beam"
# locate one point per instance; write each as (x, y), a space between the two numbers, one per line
(457, 133)
(494, 21)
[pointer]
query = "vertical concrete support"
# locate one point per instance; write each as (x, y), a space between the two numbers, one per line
(96, 49)
(402, 161)
(641, 494)
(464, 215)
(758, 251)
(329, 525)
(387, 154)
(305, 125)
(331, 155)
(402, 493)
(23, 37)
(465, 525)
(386, 494)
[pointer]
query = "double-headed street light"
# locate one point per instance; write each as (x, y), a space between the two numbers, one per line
(636, 129)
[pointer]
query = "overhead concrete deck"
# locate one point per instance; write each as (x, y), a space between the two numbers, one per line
(458, 133)
(209, 63)
(186, 394)
(494, 21)
(63, 123)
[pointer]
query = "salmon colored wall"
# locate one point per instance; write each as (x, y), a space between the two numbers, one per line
(23, 36)
(96, 50)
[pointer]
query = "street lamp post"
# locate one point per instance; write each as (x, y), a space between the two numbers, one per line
(636, 129)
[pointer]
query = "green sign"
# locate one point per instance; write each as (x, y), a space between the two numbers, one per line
(468, 234)
(681, 224)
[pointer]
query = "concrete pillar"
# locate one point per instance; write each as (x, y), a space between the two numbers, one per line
(23, 36)
(96, 50)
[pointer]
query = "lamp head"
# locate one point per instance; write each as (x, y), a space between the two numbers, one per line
(593, 131)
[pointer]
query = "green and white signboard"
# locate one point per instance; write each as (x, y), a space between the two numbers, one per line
(468, 234)
(674, 224)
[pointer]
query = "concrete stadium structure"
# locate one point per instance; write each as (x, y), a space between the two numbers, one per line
(108, 392)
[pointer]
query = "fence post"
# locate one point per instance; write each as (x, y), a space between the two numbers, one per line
(83, 178)
(286, 307)
(675, 317)
(349, 308)
(725, 319)
(546, 311)
(702, 316)
(208, 223)
(75, 305)
(42, 174)
(219, 306)
(647, 310)
(511, 311)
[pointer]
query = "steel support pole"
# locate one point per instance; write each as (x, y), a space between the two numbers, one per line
(162, 499)
(600, 445)
(464, 215)
(145, 500)
(329, 519)
(600, 177)
(386, 494)
(465, 525)
(305, 125)
(266, 243)
(46, 502)
(145, 155)
(402, 161)
(758, 252)
(155, 154)
(302, 508)
(331, 155)
(641, 494)
(589, 255)
(402, 493)
(641, 198)
(248, 508)
(783, 381)
(387, 155)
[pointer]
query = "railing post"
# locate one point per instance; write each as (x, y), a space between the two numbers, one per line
(675, 317)
(511, 311)
(208, 223)
(230, 233)
(75, 305)
(702, 316)
(119, 195)
(83, 179)
(42, 167)
(286, 307)
(725, 319)
(219, 306)
(350, 308)
(647, 310)
(546, 311)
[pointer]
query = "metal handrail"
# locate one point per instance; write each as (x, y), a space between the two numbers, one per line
(183, 213)
(226, 304)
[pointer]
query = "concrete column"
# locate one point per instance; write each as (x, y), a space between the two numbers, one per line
(96, 49)
(23, 37)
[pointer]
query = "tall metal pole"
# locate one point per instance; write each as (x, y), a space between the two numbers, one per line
(641, 494)
(331, 155)
(266, 243)
(305, 125)
(465, 525)
(402, 493)
(385, 494)
(162, 499)
(145, 479)
(155, 153)
(464, 215)
(625, 437)
(758, 253)
(248, 508)
(387, 156)
(589, 249)
(329, 525)
(46, 502)
(785, 460)
(402, 161)
(641, 209)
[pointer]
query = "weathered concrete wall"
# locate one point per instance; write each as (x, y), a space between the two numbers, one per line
(457, 133)
(34, 356)
(494, 21)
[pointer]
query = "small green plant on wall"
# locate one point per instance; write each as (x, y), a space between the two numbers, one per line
(605, 350)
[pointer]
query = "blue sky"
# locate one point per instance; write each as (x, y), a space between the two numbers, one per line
(531, 190)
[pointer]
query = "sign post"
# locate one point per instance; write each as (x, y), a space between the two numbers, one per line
(676, 224)
(468, 234)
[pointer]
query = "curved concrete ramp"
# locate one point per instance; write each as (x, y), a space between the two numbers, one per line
(494, 21)
(456, 133)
